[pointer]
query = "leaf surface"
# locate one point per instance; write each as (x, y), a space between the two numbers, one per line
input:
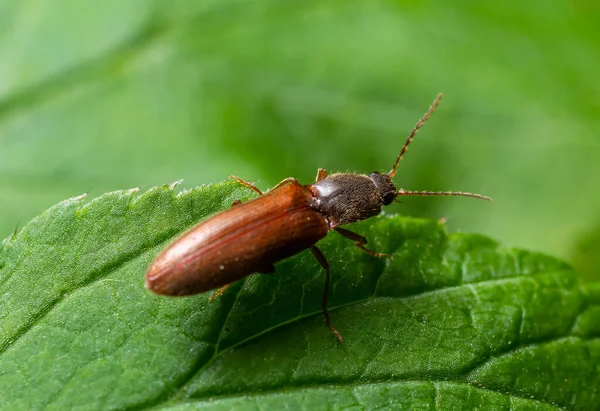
(450, 321)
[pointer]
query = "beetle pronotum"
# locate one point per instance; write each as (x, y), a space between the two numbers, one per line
(251, 237)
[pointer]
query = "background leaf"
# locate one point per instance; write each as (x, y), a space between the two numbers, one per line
(121, 94)
(453, 321)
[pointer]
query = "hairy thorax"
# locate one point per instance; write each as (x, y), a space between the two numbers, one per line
(347, 198)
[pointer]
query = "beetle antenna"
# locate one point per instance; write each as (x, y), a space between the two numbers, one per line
(414, 132)
(402, 192)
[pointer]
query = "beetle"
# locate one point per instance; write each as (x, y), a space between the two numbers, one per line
(251, 237)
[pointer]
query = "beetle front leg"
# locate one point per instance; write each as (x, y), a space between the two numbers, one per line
(321, 174)
(247, 184)
(219, 292)
(360, 241)
(323, 261)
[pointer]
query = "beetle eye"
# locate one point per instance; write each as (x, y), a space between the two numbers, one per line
(389, 197)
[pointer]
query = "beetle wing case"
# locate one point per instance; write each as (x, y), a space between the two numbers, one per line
(245, 239)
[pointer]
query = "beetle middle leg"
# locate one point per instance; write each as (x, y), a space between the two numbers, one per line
(323, 261)
(219, 292)
(267, 269)
(360, 241)
(247, 184)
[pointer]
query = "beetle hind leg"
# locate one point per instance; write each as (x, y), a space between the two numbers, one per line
(359, 241)
(323, 261)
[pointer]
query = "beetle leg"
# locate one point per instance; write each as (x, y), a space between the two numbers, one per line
(247, 184)
(323, 261)
(289, 180)
(360, 241)
(321, 174)
(264, 270)
(219, 292)
(236, 203)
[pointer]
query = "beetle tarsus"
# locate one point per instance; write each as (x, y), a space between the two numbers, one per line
(360, 241)
(323, 261)
(371, 252)
(247, 184)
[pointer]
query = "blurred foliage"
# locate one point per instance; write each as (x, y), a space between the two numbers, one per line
(112, 95)
(586, 255)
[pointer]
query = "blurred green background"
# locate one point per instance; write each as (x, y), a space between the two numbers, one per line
(100, 96)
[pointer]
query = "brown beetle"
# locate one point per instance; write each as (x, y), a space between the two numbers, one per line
(251, 237)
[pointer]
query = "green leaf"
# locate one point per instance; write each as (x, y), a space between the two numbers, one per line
(450, 321)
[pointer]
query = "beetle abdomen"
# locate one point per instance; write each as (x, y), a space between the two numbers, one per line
(245, 239)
